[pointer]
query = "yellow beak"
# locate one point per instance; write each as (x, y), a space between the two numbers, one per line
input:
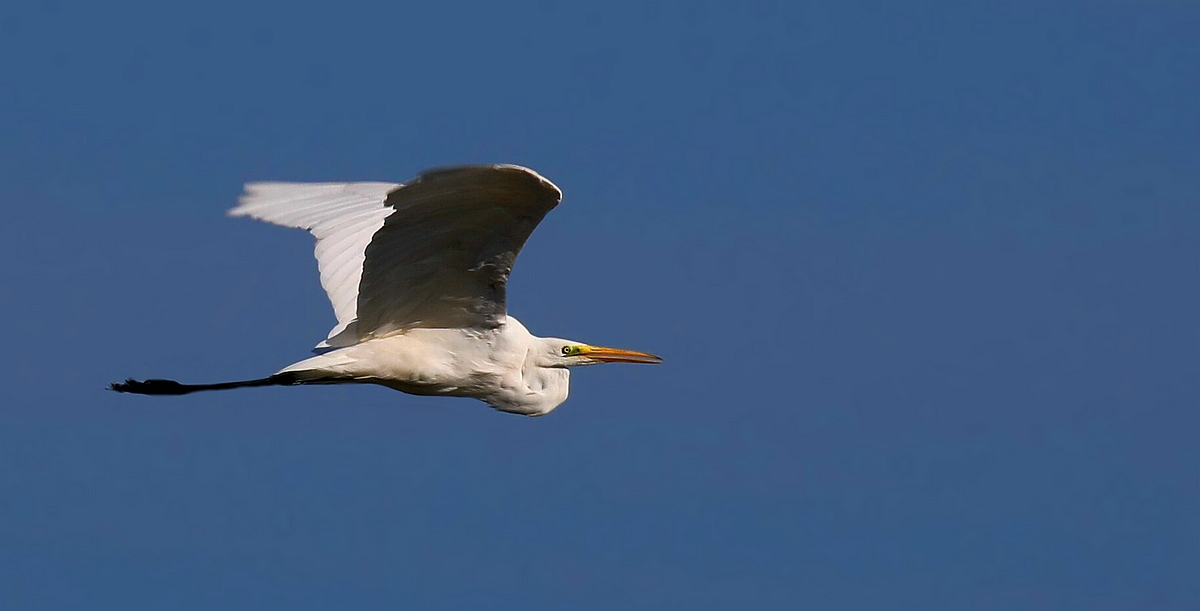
(617, 355)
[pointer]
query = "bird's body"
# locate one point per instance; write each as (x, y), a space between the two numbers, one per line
(417, 276)
(500, 366)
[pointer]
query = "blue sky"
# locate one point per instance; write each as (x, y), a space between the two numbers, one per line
(926, 278)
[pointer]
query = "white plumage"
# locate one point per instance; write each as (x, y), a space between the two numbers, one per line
(342, 216)
(417, 276)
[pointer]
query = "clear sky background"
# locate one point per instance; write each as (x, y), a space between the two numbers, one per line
(926, 278)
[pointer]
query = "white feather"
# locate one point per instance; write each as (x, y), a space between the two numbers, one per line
(342, 216)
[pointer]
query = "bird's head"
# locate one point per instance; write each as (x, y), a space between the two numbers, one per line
(567, 353)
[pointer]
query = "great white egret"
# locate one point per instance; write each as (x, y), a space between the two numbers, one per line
(417, 273)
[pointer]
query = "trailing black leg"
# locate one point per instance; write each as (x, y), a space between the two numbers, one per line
(171, 387)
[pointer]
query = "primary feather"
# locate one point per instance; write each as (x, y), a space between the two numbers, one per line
(342, 216)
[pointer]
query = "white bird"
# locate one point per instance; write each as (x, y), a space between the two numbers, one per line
(416, 273)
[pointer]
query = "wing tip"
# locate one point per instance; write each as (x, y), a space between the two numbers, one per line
(434, 173)
(265, 200)
(530, 171)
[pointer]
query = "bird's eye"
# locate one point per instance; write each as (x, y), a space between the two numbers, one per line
(566, 351)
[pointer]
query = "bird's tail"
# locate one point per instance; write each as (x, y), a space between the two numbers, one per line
(171, 387)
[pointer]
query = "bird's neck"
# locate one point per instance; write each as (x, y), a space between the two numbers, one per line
(545, 387)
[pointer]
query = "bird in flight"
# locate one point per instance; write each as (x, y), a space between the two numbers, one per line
(417, 273)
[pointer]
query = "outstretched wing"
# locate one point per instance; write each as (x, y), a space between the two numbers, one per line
(435, 252)
(443, 257)
(342, 216)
